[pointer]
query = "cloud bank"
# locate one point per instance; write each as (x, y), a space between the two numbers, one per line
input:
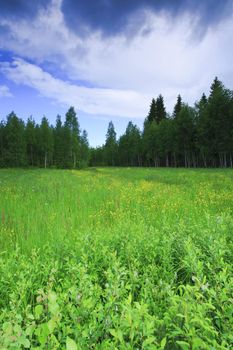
(90, 100)
(107, 71)
(112, 17)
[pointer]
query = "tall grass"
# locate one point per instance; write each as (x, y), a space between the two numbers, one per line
(116, 259)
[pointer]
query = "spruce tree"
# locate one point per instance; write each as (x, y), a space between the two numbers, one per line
(203, 130)
(15, 146)
(30, 137)
(152, 112)
(46, 139)
(72, 136)
(111, 145)
(185, 128)
(177, 107)
(59, 143)
(219, 111)
(160, 110)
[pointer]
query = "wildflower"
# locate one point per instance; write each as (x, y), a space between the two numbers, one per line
(204, 287)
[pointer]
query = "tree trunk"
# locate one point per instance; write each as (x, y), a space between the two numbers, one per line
(185, 159)
(231, 163)
(174, 157)
(45, 160)
(194, 160)
(188, 160)
(204, 160)
(31, 156)
(213, 162)
(74, 164)
(220, 160)
(167, 161)
(139, 161)
(225, 160)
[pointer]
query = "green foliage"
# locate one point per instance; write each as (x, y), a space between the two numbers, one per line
(14, 147)
(177, 107)
(199, 136)
(157, 111)
(116, 259)
(30, 137)
(43, 145)
(59, 152)
(152, 113)
(130, 146)
(46, 141)
(194, 137)
(110, 149)
(160, 110)
(71, 139)
(84, 150)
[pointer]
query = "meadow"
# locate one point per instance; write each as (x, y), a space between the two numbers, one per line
(116, 258)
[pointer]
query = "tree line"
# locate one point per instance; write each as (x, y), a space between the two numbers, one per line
(198, 136)
(42, 145)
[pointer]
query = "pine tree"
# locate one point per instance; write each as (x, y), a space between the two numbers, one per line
(46, 139)
(157, 111)
(185, 128)
(203, 129)
(219, 110)
(177, 107)
(152, 112)
(72, 135)
(15, 147)
(30, 138)
(160, 110)
(111, 145)
(58, 143)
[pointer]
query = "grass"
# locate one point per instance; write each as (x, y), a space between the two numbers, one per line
(116, 259)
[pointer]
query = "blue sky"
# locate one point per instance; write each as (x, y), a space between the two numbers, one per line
(109, 58)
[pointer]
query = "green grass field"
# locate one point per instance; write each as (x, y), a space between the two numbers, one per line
(116, 259)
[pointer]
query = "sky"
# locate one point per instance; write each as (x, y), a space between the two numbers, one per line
(109, 58)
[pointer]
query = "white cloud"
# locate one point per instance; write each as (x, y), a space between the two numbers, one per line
(4, 91)
(110, 102)
(167, 61)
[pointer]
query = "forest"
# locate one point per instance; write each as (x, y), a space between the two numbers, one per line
(197, 136)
